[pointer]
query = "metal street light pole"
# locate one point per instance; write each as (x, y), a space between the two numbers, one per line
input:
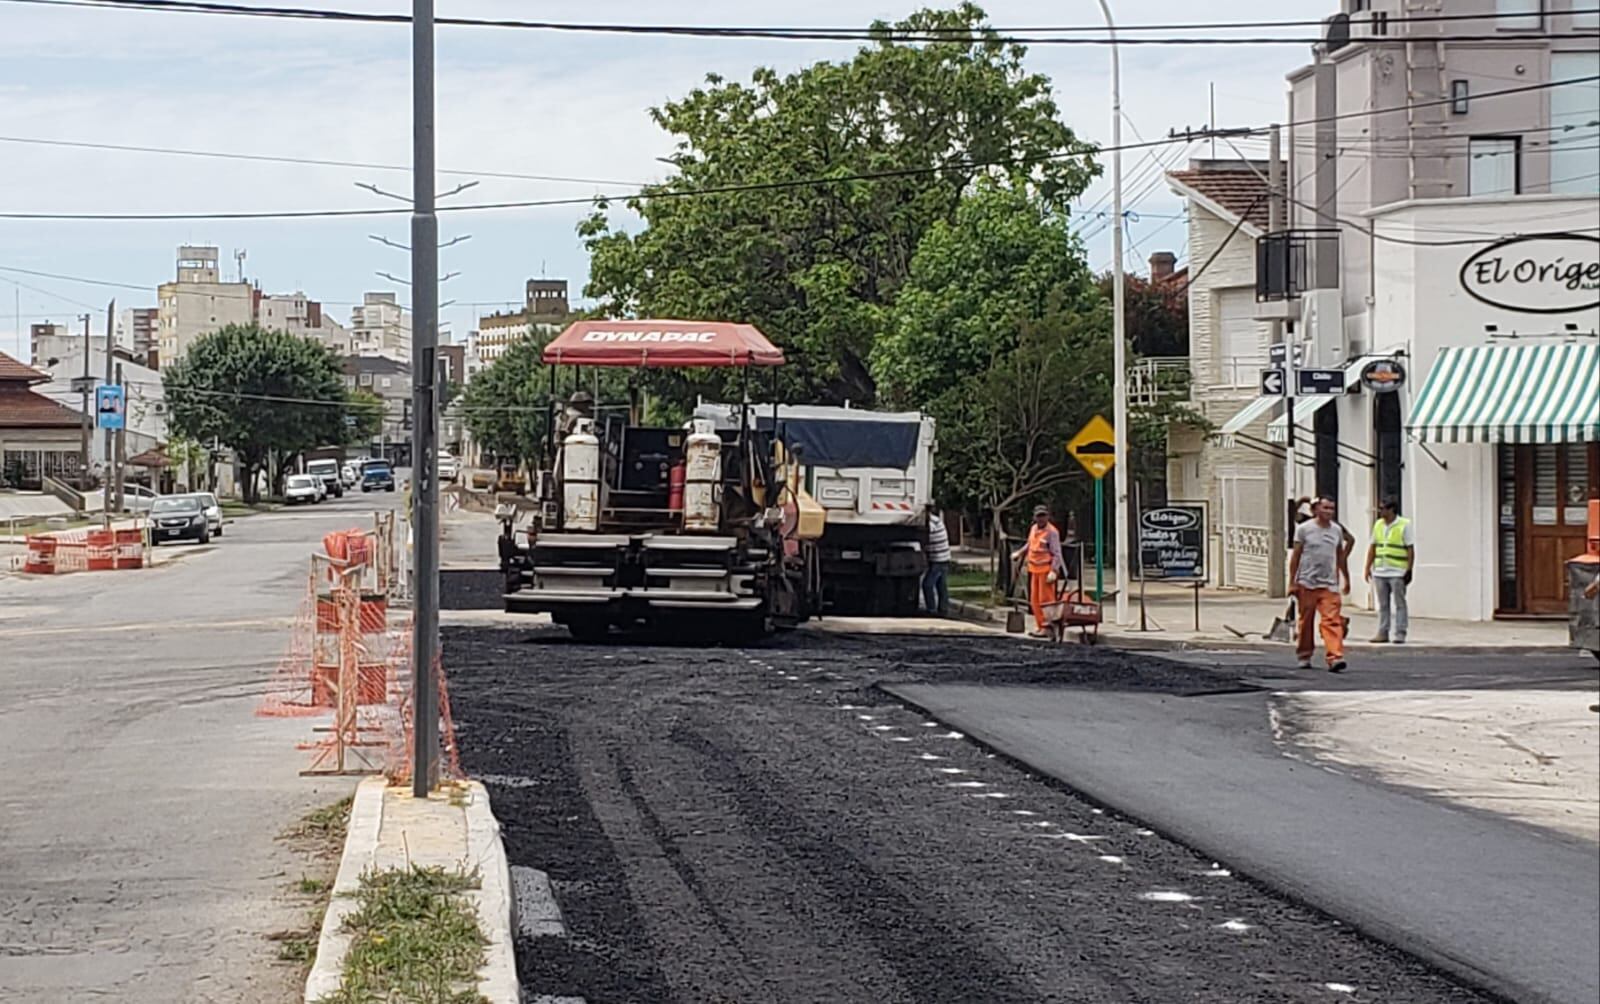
(424, 341)
(1119, 329)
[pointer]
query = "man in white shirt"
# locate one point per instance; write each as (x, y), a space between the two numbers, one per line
(1390, 559)
(936, 581)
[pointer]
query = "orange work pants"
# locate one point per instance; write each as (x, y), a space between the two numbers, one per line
(1323, 606)
(1040, 591)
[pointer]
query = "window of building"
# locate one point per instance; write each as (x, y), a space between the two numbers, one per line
(1589, 18)
(1492, 165)
(1574, 110)
(366, 379)
(386, 383)
(1380, 22)
(1240, 341)
(1520, 15)
(1458, 97)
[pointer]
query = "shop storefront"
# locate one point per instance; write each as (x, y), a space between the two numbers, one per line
(1477, 404)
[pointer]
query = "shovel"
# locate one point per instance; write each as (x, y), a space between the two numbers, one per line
(1283, 627)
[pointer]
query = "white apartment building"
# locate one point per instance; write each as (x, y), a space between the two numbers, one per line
(1443, 257)
(198, 303)
(379, 326)
(300, 315)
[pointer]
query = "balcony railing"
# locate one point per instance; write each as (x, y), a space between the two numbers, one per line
(1292, 262)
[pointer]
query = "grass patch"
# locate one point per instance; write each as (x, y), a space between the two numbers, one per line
(310, 886)
(324, 825)
(415, 940)
(300, 945)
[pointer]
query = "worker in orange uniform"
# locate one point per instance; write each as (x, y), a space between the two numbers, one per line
(1045, 565)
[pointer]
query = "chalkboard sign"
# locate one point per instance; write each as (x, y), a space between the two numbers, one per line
(1172, 542)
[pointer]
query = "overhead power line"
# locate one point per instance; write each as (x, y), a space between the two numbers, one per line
(657, 192)
(1060, 35)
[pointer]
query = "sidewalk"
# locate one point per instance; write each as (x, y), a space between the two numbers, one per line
(1236, 617)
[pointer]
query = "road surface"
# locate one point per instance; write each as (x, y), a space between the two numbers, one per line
(138, 851)
(765, 824)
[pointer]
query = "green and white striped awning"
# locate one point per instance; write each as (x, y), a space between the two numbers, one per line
(1510, 394)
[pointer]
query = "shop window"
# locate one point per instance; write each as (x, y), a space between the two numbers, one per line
(1546, 486)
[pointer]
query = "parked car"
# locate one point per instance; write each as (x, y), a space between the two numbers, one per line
(137, 498)
(179, 517)
(377, 475)
(328, 471)
(298, 488)
(449, 467)
(349, 475)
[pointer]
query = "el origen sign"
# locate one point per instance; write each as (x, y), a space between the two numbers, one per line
(1536, 273)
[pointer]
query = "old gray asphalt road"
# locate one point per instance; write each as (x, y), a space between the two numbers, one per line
(764, 825)
(1508, 906)
(138, 859)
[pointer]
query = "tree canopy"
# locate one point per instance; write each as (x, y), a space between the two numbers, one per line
(260, 393)
(506, 404)
(814, 190)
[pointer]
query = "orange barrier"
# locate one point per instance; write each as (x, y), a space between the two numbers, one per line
(41, 558)
(102, 550)
(130, 549)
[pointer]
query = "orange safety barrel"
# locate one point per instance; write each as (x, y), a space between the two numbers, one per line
(41, 558)
(130, 549)
(102, 550)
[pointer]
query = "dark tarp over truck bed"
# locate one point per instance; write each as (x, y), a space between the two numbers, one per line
(854, 442)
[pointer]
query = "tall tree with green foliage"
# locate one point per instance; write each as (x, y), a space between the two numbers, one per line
(263, 394)
(505, 407)
(898, 134)
(1005, 259)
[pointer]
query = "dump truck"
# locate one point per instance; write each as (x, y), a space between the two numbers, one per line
(700, 531)
(872, 475)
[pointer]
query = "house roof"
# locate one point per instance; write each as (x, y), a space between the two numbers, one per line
(1237, 191)
(12, 371)
(21, 408)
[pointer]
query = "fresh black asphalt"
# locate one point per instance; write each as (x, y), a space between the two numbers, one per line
(766, 824)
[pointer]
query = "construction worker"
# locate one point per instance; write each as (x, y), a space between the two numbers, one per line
(1390, 559)
(1316, 568)
(1044, 565)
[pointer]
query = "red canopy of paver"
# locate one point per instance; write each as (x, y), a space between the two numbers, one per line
(662, 343)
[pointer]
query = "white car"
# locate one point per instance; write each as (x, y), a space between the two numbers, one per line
(298, 488)
(137, 498)
(449, 467)
(349, 476)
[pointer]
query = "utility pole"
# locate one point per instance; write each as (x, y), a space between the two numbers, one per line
(1278, 485)
(424, 342)
(1119, 330)
(88, 415)
(111, 472)
(121, 438)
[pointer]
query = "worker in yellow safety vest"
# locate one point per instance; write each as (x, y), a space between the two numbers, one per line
(1390, 559)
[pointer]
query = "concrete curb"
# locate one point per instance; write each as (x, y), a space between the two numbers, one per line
(360, 844)
(493, 900)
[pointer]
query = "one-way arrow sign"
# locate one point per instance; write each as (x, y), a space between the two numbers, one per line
(1272, 382)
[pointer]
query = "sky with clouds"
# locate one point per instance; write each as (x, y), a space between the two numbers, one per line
(524, 102)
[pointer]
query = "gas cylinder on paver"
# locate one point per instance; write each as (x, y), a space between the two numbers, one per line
(702, 458)
(580, 477)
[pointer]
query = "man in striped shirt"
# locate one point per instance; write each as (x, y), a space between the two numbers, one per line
(936, 581)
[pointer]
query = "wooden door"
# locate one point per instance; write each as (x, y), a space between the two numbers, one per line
(1555, 484)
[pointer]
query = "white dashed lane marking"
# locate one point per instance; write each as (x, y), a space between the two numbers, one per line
(1166, 896)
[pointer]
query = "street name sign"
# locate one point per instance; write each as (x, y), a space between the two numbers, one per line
(1319, 382)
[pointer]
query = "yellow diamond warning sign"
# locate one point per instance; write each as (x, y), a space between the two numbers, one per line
(1094, 447)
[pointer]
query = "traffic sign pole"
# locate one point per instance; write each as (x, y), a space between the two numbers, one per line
(1099, 539)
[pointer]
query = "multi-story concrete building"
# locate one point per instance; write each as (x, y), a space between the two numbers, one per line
(1440, 262)
(389, 379)
(1227, 203)
(137, 329)
(545, 311)
(379, 326)
(300, 315)
(198, 303)
(51, 341)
